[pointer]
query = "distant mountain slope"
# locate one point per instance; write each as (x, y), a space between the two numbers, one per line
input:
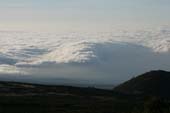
(26, 89)
(155, 83)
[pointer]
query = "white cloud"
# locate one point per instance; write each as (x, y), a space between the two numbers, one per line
(83, 55)
(38, 47)
(9, 69)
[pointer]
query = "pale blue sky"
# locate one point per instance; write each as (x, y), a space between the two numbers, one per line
(82, 14)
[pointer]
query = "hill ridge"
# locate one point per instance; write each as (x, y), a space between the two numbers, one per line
(156, 82)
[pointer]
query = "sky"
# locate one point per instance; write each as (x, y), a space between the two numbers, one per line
(101, 56)
(83, 15)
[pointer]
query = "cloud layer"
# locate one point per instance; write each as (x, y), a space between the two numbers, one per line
(112, 56)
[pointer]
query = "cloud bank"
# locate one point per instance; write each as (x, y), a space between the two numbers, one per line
(109, 57)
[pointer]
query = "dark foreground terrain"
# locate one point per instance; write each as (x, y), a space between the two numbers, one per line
(32, 98)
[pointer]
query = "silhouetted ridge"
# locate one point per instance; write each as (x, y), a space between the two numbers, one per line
(155, 83)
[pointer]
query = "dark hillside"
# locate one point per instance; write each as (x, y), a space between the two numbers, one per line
(155, 83)
(32, 98)
(138, 95)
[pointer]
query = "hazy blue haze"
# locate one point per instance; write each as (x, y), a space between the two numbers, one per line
(83, 14)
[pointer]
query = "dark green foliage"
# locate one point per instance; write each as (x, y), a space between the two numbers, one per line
(157, 105)
(154, 105)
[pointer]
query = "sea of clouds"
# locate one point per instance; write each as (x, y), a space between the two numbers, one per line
(94, 58)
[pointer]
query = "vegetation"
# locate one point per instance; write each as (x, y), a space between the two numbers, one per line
(153, 83)
(154, 105)
(33, 98)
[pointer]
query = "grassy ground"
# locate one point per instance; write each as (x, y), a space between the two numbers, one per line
(32, 98)
(63, 104)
